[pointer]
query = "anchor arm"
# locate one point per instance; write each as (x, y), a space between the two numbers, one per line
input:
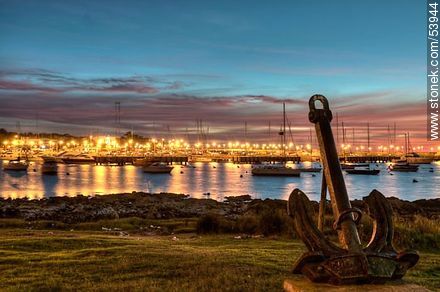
(299, 208)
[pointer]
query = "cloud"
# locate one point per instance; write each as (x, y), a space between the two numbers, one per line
(25, 86)
(61, 99)
(224, 114)
(56, 82)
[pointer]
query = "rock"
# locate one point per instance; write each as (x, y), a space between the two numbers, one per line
(166, 206)
(107, 213)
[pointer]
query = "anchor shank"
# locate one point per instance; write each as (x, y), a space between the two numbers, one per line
(322, 203)
(348, 234)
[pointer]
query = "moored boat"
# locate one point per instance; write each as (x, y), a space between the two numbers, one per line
(49, 165)
(140, 161)
(310, 169)
(77, 159)
(279, 169)
(157, 168)
(275, 170)
(414, 158)
(16, 165)
(353, 165)
(363, 171)
(404, 166)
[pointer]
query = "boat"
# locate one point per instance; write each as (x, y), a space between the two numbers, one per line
(49, 165)
(364, 171)
(310, 169)
(414, 158)
(275, 170)
(188, 165)
(77, 159)
(353, 165)
(141, 161)
(403, 165)
(157, 167)
(200, 158)
(279, 169)
(16, 165)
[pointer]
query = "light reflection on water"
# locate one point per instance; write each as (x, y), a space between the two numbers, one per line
(219, 179)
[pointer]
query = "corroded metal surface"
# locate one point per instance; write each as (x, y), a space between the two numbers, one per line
(349, 263)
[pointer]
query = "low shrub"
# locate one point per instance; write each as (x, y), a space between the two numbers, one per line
(212, 223)
(248, 224)
(208, 224)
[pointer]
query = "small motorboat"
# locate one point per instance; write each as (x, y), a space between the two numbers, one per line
(16, 165)
(141, 161)
(49, 166)
(275, 170)
(403, 166)
(157, 168)
(414, 158)
(364, 171)
(77, 159)
(188, 165)
(353, 165)
(310, 169)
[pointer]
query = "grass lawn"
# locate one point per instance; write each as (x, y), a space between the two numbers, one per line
(91, 260)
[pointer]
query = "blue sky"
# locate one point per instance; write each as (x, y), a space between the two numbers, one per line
(369, 53)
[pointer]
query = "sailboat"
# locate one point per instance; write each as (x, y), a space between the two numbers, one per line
(403, 164)
(313, 167)
(279, 169)
(16, 165)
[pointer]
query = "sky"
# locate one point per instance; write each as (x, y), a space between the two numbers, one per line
(64, 64)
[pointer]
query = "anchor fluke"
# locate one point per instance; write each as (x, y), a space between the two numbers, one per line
(300, 209)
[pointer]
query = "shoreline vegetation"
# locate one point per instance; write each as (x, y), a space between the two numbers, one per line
(141, 241)
(417, 223)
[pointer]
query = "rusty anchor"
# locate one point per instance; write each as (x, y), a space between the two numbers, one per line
(351, 262)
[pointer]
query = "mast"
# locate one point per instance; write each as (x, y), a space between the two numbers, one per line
(284, 129)
(343, 133)
(117, 118)
(406, 144)
(337, 131)
(389, 135)
(289, 125)
(245, 132)
(187, 135)
(245, 137)
(368, 137)
(352, 136)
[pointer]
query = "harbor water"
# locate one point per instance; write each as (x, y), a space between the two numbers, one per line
(217, 179)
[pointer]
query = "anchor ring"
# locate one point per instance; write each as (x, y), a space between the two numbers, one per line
(321, 98)
(318, 114)
(343, 216)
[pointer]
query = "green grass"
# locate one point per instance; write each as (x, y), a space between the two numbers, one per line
(96, 260)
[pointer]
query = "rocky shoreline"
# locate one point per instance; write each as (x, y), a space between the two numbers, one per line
(167, 206)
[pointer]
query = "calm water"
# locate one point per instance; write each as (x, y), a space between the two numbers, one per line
(220, 179)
